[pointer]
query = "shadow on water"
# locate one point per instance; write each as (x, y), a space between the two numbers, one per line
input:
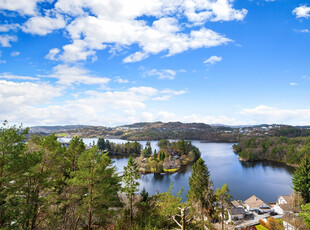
(264, 163)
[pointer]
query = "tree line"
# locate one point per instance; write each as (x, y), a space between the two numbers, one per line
(282, 149)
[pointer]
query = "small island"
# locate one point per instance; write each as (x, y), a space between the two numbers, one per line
(168, 159)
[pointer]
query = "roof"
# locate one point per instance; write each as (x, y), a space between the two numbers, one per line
(289, 203)
(254, 202)
(288, 199)
(237, 211)
(236, 203)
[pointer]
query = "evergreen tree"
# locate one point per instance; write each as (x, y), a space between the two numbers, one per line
(148, 149)
(223, 197)
(75, 149)
(301, 179)
(13, 164)
(98, 185)
(131, 184)
(201, 195)
(101, 144)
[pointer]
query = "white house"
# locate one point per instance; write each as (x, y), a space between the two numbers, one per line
(255, 203)
(283, 204)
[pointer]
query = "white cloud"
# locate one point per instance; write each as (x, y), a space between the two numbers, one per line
(211, 119)
(293, 84)
(265, 114)
(173, 92)
(17, 77)
(221, 10)
(305, 31)
(14, 97)
(27, 7)
(166, 94)
(15, 54)
(43, 25)
(69, 75)
(52, 54)
(114, 23)
(213, 59)
(8, 27)
(6, 39)
(302, 11)
(90, 107)
(162, 98)
(121, 81)
(161, 74)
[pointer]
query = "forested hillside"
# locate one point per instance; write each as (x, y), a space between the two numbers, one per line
(284, 149)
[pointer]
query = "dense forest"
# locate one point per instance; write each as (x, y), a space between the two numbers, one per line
(283, 149)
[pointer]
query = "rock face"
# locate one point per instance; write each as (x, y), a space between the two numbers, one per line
(170, 157)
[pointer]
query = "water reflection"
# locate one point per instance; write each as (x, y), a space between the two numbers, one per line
(265, 179)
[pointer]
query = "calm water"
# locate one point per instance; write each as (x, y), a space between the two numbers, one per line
(265, 179)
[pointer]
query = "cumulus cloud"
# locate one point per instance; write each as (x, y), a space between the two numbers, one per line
(8, 27)
(293, 84)
(92, 107)
(24, 7)
(97, 25)
(271, 115)
(5, 40)
(43, 25)
(14, 97)
(302, 11)
(213, 59)
(52, 54)
(70, 75)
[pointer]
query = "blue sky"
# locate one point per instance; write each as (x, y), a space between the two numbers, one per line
(116, 62)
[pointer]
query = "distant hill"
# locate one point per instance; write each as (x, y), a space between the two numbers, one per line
(52, 129)
(168, 125)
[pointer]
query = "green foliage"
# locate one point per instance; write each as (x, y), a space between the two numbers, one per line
(13, 163)
(130, 181)
(94, 178)
(201, 194)
(305, 214)
(282, 149)
(101, 144)
(301, 179)
(129, 148)
(148, 149)
(223, 197)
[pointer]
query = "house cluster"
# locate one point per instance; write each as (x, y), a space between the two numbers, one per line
(251, 210)
(244, 210)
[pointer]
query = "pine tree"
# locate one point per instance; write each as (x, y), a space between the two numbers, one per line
(131, 184)
(201, 195)
(101, 144)
(13, 164)
(223, 197)
(97, 185)
(301, 179)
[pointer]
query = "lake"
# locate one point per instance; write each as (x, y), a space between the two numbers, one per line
(265, 179)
